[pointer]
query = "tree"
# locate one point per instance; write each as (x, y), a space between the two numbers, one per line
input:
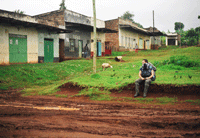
(197, 29)
(19, 11)
(178, 26)
(191, 37)
(163, 38)
(129, 16)
(139, 25)
(199, 17)
(62, 5)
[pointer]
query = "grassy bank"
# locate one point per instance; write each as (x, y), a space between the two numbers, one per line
(179, 66)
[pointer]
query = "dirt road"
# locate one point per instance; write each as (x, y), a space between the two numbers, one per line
(79, 117)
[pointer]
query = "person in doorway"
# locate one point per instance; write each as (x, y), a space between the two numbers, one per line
(146, 75)
(85, 51)
(136, 48)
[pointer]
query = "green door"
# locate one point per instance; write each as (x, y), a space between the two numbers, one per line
(48, 50)
(17, 48)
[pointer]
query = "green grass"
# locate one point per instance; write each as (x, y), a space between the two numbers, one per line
(174, 66)
(193, 102)
(165, 100)
(124, 73)
(144, 100)
(29, 75)
(61, 95)
(95, 94)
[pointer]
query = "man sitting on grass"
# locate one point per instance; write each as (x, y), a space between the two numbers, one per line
(146, 75)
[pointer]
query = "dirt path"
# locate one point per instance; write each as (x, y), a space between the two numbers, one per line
(45, 116)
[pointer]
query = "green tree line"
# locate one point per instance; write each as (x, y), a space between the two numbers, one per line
(189, 37)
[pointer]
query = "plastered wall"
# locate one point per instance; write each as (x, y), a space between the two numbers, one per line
(32, 42)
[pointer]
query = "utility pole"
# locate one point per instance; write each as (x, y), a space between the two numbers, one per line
(153, 33)
(180, 33)
(95, 39)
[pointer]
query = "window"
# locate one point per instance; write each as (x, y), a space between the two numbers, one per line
(72, 45)
(122, 41)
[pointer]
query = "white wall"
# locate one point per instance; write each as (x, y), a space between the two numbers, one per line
(42, 35)
(32, 42)
(127, 34)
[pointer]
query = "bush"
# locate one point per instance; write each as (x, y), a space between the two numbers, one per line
(177, 62)
(95, 94)
(183, 61)
(95, 76)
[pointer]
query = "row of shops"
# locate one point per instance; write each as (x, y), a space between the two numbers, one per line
(59, 35)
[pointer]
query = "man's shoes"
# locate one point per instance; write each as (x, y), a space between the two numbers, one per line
(144, 95)
(136, 95)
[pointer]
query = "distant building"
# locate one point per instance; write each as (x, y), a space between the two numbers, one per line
(127, 36)
(155, 37)
(172, 39)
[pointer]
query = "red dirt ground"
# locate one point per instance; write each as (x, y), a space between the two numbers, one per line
(79, 117)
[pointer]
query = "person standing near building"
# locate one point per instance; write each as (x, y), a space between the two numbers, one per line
(85, 51)
(136, 48)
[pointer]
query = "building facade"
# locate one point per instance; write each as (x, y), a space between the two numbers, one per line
(25, 39)
(172, 39)
(72, 45)
(127, 36)
(155, 37)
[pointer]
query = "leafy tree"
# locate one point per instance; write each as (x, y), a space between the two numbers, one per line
(19, 11)
(191, 37)
(163, 38)
(129, 16)
(62, 5)
(139, 25)
(178, 26)
(191, 33)
(197, 29)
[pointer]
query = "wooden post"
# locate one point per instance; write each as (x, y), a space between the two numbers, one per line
(95, 39)
(153, 33)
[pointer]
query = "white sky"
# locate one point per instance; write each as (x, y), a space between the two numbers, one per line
(166, 12)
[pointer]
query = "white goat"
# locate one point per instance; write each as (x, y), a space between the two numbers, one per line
(118, 58)
(106, 65)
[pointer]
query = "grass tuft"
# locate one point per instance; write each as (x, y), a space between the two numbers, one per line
(95, 94)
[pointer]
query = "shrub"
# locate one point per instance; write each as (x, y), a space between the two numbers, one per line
(177, 62)
(95, 94)
(95, 76)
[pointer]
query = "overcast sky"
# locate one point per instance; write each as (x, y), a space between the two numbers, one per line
(166, 12)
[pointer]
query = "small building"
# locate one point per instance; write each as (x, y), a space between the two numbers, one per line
(24, 39)
(155, 37)
(127, 35)
(172, 39)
